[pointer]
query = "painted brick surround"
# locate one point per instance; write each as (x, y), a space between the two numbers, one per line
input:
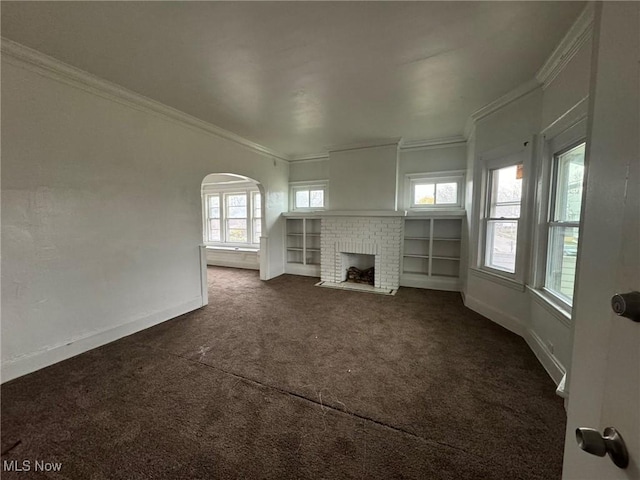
(370, 235)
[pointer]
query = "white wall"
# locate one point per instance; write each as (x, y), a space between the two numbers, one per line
(545, 111)
(101, 216)
(417, 160)
(309, 170)
(363, 178)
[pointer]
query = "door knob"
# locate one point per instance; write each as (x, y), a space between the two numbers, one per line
(591, 441)
(627, 305)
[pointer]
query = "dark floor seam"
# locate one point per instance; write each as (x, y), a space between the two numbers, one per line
(321, 405)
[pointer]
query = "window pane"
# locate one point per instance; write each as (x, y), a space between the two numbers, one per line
(424, 194)
(237, 212)
(213, 231)
(302, 199)
(446, 193)
(257, 205)
(237, 200)
(506, 211)
(213, 206)
(570, 173)
(316, 198)
(257, 230)
(507, 187)
(237, 231)
(561, 262)
(501, 245)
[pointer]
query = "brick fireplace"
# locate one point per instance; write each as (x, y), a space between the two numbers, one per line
(379, 236)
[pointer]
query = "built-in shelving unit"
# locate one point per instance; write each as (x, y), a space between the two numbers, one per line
(303, 246)
(431, 252)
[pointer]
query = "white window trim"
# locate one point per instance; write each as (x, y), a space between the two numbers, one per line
(451, 176)
(501, 157)
(309, 185)
(549, 148)
(223, 190)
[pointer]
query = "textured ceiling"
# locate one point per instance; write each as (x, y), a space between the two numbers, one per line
(299, 76)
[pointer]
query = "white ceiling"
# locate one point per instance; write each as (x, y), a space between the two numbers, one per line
(299, 76)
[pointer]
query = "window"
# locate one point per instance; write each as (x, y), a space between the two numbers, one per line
(212, 232)
(232, 216)
(563, 223)
(236, 217)
(257, 217)
(308, 197)
(432, 191)
(502, 217)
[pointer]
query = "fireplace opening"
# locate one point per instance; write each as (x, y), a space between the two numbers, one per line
(358, 268)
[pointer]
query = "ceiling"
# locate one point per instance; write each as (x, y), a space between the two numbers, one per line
(297, 77)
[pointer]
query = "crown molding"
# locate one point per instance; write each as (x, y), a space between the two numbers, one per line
(22, 56)
(404, 146)
(313, 157)
(580, 33)
(510, 97)
(383, 142)
(444, 142)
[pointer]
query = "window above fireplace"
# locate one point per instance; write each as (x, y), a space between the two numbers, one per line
(308, 196)
(434, 191)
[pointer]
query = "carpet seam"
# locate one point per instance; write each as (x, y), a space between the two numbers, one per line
(315, 402)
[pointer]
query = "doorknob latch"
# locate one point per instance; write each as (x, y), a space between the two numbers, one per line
(591, 441)
(627, 305)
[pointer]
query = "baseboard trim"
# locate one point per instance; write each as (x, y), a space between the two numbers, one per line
(47, 356)
(551, 364)
(233, 264)
(495, 315)
(549, 361)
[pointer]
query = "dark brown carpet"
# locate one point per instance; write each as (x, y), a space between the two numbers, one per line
(284, 380)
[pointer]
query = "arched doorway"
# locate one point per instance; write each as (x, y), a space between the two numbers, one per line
(232, 220)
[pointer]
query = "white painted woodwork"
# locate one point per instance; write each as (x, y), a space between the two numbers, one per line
(298, 76)
(604, 381)
(302, 245)
(431, 252)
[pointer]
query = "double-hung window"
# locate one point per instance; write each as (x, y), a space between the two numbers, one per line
(236, 217)
(233, 217)
(502, 218)
(565, 204)
(257, 217)
(212, 227)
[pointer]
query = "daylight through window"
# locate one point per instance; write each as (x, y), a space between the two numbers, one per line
(564, 222)
(502, 217)
(233, 217)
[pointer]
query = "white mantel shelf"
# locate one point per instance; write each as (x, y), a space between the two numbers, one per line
(348, 213)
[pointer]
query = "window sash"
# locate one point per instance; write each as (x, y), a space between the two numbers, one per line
(212, 220)
(562, 235)
(501, 253)
(500, 249)
(256, 209)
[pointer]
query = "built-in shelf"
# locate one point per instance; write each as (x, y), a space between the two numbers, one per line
(303, 245)
(431, 252)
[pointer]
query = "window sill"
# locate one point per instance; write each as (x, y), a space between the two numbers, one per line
(232, 249)
(554, 308)
(437, 212)
(303, 213)
(497, 278)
